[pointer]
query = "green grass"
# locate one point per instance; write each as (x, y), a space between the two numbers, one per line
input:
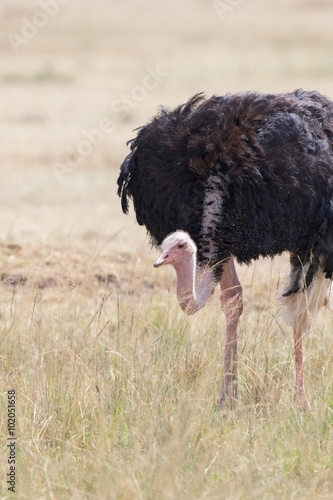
(117, 399)
(44, 76)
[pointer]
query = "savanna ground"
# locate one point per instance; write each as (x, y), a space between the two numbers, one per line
(116, 391)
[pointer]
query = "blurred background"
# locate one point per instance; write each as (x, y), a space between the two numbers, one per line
(76, 78)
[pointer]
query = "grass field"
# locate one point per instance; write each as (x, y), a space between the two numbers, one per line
(116, 390)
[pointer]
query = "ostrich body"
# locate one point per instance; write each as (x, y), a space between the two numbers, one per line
(239, 176)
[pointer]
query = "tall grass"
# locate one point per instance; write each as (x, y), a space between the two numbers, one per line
(117, 397)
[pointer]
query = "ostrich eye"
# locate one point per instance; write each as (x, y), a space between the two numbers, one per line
(181, 245)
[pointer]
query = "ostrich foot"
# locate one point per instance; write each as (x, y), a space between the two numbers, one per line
(229, 396)
(301, 403)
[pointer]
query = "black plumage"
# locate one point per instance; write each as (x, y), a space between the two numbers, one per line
(269, 160)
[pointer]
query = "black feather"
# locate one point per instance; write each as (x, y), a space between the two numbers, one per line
(272, 156)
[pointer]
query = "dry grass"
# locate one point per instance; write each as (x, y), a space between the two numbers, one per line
(116, 389)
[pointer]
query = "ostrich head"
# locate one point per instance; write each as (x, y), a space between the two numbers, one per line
(176, 248)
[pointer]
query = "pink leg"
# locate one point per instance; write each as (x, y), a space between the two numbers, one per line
(300, 392)
(232, 306)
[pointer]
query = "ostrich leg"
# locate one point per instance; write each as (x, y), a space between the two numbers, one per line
(232, 306)
(300, 392)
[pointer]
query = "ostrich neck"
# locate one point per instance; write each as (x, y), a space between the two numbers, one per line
(194, 285)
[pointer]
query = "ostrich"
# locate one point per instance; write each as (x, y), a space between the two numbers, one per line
(238, 177)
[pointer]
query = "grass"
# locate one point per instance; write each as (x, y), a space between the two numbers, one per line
(117, 398)
(117, 391)
(45, 75)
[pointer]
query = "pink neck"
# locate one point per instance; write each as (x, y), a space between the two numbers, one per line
(193, 287)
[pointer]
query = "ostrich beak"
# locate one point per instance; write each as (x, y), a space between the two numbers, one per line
(163, 259)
